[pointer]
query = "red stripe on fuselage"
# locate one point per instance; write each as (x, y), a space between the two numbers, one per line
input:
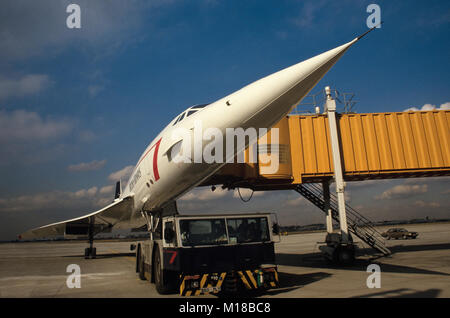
(155, 159)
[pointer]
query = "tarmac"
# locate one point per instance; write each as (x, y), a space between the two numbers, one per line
(417, 268)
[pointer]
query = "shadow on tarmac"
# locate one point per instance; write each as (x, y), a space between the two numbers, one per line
(418, 248)
(408, 248)
(109, 255)
(287, 283)
(405, 293)
(317, 260)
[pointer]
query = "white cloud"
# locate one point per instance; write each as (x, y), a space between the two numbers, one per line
(87, 136)
(308, 13)
(22, 125)
(26, 85)
(107, 189)
(442, 180)
(427, 107)
(423, 204)
(403, 191)
(86, 192)
(26, 137)
(84, 199)
(445, 106)
(102, 202)
(95, 89)
(246, 193)
(122, 174)
(87, 166)
(38, 28)
(296, 202)
(204, 194)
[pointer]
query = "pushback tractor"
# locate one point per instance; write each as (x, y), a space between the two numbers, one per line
(208, 254)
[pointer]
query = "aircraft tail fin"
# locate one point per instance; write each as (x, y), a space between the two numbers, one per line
(118, 190)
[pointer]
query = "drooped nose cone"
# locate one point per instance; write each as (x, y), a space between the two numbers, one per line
(277, 93)
(302, 77)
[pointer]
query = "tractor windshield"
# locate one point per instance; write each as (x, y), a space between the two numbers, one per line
(248, 230)
(196, 232)
(203, 232)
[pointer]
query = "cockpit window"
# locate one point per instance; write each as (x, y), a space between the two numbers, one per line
(180, 118)
(199, 106)
(189, 112)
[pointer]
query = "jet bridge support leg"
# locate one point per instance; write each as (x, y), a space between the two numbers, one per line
(339, 246)
(327, 206)
(90, 252)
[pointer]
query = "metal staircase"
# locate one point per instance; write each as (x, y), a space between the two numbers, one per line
(357, 223)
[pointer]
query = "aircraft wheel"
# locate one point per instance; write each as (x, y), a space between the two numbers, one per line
(90, 253)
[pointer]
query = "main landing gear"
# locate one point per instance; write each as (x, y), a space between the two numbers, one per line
(90, 252)
(338, 252)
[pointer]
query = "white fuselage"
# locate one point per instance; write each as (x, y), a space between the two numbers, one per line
(157, 180)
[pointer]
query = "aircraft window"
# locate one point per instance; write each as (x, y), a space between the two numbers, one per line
(189, 112)
(180, 118)
(199, 106)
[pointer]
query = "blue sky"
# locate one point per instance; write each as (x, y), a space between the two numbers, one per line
(77, 106)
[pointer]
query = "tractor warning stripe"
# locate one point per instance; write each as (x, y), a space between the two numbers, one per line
(244, 280)
(212, 283)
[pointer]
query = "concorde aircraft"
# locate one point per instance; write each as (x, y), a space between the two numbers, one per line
(157, 180)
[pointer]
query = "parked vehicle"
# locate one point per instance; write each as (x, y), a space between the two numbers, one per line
(399, 233)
